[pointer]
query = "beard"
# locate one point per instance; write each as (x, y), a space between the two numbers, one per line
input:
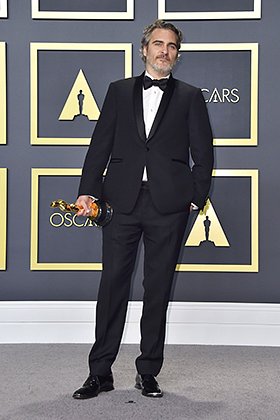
(164, 68)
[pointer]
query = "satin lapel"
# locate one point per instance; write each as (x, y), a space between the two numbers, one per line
(163, 105)
(138, 106)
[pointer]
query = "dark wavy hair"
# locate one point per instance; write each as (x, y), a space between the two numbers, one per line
(159, 24)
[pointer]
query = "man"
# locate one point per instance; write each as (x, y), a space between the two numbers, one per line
(143, 136)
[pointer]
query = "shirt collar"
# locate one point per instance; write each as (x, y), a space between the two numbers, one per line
(151, 77)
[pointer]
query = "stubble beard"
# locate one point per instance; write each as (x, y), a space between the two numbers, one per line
(163, 69)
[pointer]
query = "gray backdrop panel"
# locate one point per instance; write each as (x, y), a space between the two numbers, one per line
(83, 5)
(207, 6)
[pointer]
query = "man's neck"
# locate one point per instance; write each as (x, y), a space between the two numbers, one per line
(152, 75)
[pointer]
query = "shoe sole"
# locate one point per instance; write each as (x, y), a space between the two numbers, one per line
(104, 388)
(150, 395)
(107, 388)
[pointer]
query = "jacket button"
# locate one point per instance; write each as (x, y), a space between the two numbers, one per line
(147, 148)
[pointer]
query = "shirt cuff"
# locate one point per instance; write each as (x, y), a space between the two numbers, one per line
(194, 206)
(93, 198)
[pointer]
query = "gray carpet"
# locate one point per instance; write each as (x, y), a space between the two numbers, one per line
(200, 382)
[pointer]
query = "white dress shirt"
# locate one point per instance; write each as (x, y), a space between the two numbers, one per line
(151, 102)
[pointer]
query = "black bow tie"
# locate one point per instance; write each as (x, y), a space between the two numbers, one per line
(148, 82)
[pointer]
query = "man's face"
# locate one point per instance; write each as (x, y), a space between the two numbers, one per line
(161, 52)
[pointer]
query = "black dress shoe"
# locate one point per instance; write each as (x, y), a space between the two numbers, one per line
(93, 385)
(149, 386)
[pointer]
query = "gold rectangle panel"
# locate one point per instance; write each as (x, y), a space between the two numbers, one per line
(253, 48)
(34, 77)
(3, 94)
(40, 14)
(254, 14)
(97, 266)
(3, 219)
(254, 265)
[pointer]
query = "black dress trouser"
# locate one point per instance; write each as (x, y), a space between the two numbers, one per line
(162, 238)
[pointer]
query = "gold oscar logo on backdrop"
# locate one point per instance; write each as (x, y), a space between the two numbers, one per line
(207, 229)
(80, 102)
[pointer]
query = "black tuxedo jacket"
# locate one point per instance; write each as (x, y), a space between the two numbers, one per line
(119, 144)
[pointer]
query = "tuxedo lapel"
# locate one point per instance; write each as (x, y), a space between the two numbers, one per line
(138, 106)
(163, 105)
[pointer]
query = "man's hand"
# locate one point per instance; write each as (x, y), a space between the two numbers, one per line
(85, 202)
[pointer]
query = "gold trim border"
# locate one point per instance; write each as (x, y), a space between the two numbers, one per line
(253, 47)
(254, 266)
(254, 14)
(34, 264)
(3, 9)
(3, 99)
(49, 46)
(37, 14)
(3, 220)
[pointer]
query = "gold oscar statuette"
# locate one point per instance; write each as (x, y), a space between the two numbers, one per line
(100, 212)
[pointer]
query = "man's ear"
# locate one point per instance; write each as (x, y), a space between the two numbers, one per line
(145, 51)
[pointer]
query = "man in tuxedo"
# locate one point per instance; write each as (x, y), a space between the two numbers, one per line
(148, 128)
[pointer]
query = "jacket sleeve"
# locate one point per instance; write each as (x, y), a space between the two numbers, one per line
(100, 147)
(201, 148)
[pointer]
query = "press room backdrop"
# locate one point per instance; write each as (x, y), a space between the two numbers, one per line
(56, 61)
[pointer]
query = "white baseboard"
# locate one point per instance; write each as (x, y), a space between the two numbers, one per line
(251, 324)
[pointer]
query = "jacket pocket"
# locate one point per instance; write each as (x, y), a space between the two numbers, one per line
(116, 160)
(179, 161)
